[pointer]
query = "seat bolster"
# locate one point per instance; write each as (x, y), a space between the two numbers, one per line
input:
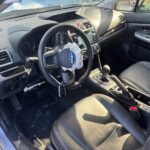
(61, 139)
(123, 117)
(55, 137)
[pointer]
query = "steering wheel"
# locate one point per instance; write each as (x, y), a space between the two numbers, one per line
(65, 58)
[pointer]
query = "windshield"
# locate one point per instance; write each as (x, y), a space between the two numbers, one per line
(12, 5)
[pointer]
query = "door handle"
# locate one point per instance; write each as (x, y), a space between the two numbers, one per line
(143, 35)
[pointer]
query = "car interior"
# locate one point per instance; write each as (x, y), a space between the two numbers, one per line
(76, 78)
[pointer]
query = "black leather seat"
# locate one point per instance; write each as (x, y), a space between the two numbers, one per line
(138, 76)
(97, 123)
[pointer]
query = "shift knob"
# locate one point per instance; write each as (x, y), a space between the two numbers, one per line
(106, 70)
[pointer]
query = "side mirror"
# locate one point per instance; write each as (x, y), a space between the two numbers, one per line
(128, 5)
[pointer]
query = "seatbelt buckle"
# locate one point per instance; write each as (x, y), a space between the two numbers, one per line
(134, 110)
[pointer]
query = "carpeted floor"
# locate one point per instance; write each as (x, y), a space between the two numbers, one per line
(37, 121)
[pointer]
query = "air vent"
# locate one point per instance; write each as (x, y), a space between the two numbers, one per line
(122, 19)
(5, 58)
(87, 25)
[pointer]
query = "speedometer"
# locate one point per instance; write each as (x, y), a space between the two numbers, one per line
(27, 47)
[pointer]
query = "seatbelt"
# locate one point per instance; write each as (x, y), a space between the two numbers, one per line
(123, 117)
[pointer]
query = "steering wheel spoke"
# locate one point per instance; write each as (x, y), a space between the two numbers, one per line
(70, 35)
(49, 52)
(68, 77)
(50, 66)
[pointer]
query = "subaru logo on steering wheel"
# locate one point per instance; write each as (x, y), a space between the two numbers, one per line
(72, 58)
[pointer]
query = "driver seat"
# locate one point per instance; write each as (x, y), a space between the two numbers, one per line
(97, 122)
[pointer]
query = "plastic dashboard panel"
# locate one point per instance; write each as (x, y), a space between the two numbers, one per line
(14, 30)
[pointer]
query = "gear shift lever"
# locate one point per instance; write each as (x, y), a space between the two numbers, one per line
(105, 73)
(99, 64)
(106, 70)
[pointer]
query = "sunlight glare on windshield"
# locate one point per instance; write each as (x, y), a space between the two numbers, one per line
(11, 1)
(12, 5)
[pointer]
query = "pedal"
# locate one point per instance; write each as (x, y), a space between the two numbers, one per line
(38, 143)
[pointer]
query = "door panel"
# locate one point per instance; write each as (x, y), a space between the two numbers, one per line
(143, 36)
(137, 17)
(137, 39)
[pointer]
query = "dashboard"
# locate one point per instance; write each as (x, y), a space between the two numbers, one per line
(28, 46)
(20, 38)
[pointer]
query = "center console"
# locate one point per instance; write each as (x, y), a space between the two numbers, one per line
(89, 30)
(99, 83)
(135, 101)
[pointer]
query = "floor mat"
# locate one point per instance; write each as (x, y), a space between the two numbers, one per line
(38, 121)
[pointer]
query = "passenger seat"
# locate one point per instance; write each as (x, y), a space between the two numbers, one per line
(138, 76)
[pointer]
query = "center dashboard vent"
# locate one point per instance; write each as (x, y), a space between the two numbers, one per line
(85, 26)
(5, 58)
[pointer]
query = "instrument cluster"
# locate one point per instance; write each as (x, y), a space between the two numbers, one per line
(29, 45)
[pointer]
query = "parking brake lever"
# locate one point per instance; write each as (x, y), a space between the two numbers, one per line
(120, 84)
(126, 95)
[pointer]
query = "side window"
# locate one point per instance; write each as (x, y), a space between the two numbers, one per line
(125, 5)
(129, 5)
(144, 6)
